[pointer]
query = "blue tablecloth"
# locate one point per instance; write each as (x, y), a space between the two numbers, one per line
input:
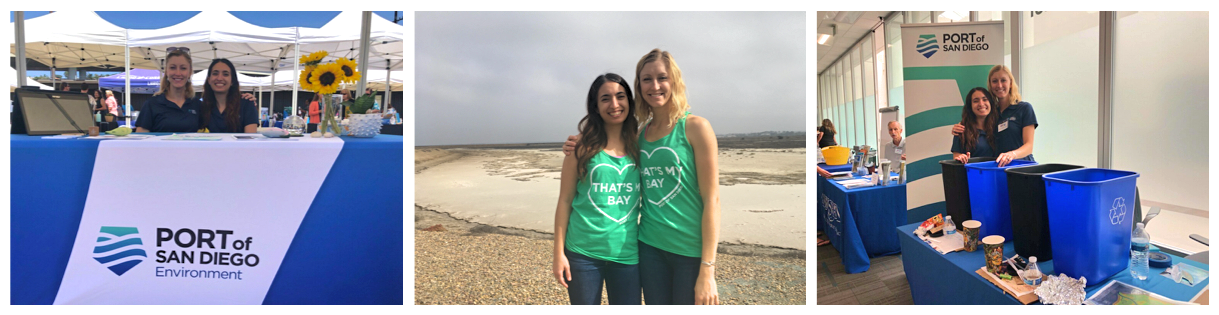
(835, 168)
(860, 222)
(361, 195)
(951, 278)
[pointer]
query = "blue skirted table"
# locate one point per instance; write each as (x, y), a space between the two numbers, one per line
(951, 278)
(861, 222)
(347, 249)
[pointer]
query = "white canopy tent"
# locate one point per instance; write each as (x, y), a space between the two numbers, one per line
(12, 86)
(217, 34)
(341, 37)
(246, 82)
(84, 35)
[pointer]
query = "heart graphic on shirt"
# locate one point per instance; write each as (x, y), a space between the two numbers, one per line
(595, 184)
(649, 181)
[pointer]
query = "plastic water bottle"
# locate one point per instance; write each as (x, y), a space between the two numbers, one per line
(1032, 275)
(1140, 244)
(949, 226)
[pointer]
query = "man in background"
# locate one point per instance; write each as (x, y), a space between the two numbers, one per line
(895, 150)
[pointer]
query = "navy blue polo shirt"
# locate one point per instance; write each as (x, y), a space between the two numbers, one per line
(160, 115)
(247, 116)
(1012, 137)
(981, 148)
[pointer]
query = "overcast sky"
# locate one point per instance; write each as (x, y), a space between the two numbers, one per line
(513, 77)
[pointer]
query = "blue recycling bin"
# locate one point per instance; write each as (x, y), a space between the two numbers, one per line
(1091, 212)
(988, 201)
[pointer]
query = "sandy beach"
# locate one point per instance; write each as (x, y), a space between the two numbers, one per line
(499, 203)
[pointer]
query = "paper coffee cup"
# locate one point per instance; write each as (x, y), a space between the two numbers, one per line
(969, 234)
(992, 247)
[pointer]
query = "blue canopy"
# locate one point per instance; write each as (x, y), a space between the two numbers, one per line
(143, 81)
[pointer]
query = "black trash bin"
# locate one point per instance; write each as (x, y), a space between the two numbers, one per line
(1030, 217)
(956, 189)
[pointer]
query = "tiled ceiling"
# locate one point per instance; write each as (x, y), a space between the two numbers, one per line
(848, 32)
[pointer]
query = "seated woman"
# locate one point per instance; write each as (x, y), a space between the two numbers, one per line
(174, 108)
(979, 139)
(223, 108)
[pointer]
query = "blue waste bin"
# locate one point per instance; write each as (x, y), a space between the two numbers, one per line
(988, 201)
(1091, 210)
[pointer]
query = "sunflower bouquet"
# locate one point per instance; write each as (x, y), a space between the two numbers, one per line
(325, 78)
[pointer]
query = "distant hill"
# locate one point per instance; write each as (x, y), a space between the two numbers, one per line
(761, 134)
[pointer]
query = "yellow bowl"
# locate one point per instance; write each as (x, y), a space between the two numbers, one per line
(835, 155)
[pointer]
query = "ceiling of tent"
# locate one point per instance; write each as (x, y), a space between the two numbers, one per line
(76, 39)
(83, 39)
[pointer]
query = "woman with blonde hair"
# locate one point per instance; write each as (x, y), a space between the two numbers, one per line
(679, 226)
(1017, 120)
(111, 104)
(174, 108)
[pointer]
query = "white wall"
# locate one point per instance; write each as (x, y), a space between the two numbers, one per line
(1161, 105)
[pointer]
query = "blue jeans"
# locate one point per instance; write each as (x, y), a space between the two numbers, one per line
(587, 274)
(668, 278)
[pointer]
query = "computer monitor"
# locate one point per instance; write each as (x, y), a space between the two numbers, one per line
(51, 112)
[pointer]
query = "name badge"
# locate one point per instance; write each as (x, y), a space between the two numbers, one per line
(1003, 126)
(898, 150)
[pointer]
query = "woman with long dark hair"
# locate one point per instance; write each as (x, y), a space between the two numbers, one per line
(1016, 123)
(597, 217)
(224, 110)
(979, 139)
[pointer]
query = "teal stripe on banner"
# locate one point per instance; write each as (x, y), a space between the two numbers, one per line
(925, 212)
(968, 77)
(926, 167)
(935, 118)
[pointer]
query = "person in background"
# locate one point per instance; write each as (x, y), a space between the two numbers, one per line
(95, 100)
(895, 150)
(66, 88)
(223, 108)
(315, 110)
(112, 105)
(174, 108)
(979, 139)
(826, 133)
(368, 91)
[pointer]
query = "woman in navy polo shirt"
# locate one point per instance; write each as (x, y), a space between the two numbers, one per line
(1017, 121)
(174, 108)
(223, 109)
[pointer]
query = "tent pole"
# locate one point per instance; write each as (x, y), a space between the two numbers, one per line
(19, 20)
(271, 108)
(385, 101)
(296, 68)
(365, 30)
(127, 83)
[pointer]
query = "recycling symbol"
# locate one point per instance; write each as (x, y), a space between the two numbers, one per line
(1118, 212)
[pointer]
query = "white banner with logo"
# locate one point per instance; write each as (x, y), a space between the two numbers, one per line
(192, 222)
(941, 61)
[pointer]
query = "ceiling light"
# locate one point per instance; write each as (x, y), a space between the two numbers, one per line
(822, 38)
(953, 15)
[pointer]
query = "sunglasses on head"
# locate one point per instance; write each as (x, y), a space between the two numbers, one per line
(173, 49)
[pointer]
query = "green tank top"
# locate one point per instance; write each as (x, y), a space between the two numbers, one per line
(673, 204)
(604, 221)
